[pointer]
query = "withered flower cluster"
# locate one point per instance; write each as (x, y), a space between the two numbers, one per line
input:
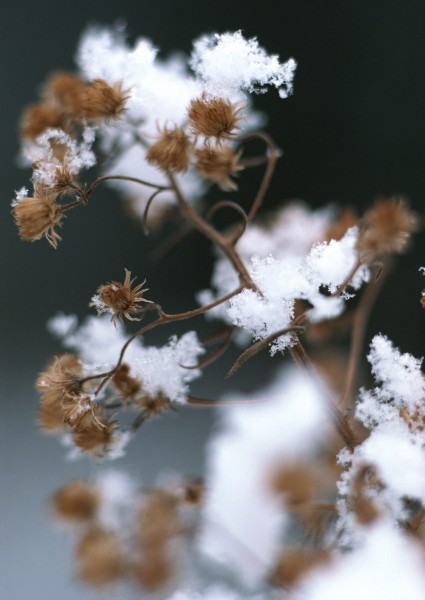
(216, 121)
(142, 547)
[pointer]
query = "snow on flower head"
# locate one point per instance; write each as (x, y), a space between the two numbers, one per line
(243, 518)
(228, 63)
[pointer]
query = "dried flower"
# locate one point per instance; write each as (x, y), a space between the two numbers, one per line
(99, 101)
(65, 90)
(100, 557)
(152, 406)
(294, 563)
(295, 481)
(154, 571)
(39, 117)
(37, 216)
(126, 385)
(214, 117)
(386, 228)
(119, 299)
(79, 412)
(171, 151)
(218, 164)
(158, 519)
(96, 440)
(76, 501)
(61, 378)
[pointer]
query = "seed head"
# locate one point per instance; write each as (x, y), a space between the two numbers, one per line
(65, 89)
(218, 164)
(214, 117)
(386, 228)
(119, 298)
(39, 117)
(96, 439)
(99, 101)
(37, 216)
(100, 557)
(76, 501)
(171, 151)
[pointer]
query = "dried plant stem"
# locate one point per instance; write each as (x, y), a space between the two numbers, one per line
(340, 422)
(271, 159)
(360, 320)
(213, 235)
(162, 320)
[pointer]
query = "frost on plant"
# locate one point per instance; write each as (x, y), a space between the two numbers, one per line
(314, 482)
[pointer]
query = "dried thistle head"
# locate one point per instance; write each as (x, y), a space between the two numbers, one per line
(293, 563)
(296, 481)
(65, 89)
(120, 299)
(152, 406)
(76, 501)
(214, 117)
(100, 557)
(62, 377)
(171, 151)
(100, 101)
(37, 216)
(154, 571)
(158, 519)
(386, 228)
(127, 386)
(79, 412)
(218, 164)
(39, 117)
(347, 218)
(96, 440)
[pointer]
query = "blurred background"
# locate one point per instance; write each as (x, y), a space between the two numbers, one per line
(353, 130)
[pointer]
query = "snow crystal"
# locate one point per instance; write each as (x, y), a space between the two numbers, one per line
(228, 62)
(388, 565)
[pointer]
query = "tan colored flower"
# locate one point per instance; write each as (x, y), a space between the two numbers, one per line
(100, 101)
(39, 117)
(100, 557)
(214, 117)
(37, 216)
(386, 228)
(65, 89)
(218, 164)
(76, 501)
(126, 385)
(61, 378)
(96, 440)
(119, 298)
(171, 151)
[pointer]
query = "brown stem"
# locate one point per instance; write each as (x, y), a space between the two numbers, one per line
(272, 158)
(360, 320)
(100, 180)
(213, 235)
(340, 422)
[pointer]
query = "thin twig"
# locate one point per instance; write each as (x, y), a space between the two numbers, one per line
(360, 320)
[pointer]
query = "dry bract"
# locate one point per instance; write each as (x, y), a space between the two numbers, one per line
(39, 117)
(65, 90)
(37, 216)
(96, 440)
(214, 117)
(218, 164)
(76, 501)
(100, 558)
(100, 101)
(386, 228)
(171, 151)
(119, 298)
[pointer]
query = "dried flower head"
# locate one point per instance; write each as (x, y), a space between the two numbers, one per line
(96, 440)
(100, 101)
(37, 216)
(295, 481)
(76, 501)
(154, 570)
(386, 228)
(218, 164)
(65, 89)
(158, 519)
(214, 117)
(61, 377)
(171, 151)
(347, 218)
(422, 300)
(79, 412)
(100, 557)
(293, 563)
(119, 299)
(126, 385)
(153, 406)
(39, 117)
